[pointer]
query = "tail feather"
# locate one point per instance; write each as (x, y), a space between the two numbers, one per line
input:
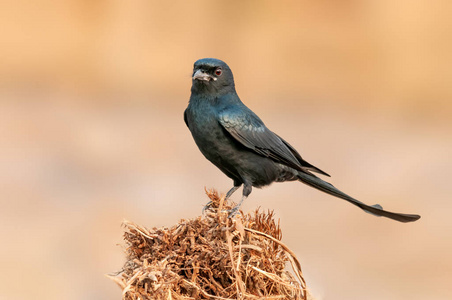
(376, 209)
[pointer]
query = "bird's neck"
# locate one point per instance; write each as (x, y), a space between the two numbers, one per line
(215, 99)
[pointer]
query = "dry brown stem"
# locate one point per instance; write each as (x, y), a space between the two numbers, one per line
(210, 257)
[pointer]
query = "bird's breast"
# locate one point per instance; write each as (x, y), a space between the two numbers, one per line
(229, 155)
(204, 126)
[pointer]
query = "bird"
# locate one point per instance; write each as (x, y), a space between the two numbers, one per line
(236, 140)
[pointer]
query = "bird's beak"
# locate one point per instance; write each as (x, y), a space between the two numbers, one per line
(200, 75)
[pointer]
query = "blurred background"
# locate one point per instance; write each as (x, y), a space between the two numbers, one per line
(92, 95)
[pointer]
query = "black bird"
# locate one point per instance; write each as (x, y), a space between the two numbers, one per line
(235, 140)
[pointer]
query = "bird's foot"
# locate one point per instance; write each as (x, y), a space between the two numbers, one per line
(206, 207)
(236, 209)
(232, 212)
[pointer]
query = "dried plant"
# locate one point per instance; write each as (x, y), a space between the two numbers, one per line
(211, 257)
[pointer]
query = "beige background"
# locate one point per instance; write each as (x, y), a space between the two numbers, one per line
(91, 132)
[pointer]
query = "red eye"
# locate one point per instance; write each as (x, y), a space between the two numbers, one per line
(218, 72)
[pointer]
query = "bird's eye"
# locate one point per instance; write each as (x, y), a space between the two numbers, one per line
(218, 72)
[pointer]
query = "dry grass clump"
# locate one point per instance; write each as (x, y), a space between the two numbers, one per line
(211, 257)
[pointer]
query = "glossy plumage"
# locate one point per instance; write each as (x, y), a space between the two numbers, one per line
(236, 140)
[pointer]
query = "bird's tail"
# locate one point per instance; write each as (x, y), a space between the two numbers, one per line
(375, 209)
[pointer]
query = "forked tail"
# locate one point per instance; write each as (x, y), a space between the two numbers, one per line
(375, 209)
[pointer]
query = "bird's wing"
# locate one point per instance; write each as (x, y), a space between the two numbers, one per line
(304, 163)
(251, 132)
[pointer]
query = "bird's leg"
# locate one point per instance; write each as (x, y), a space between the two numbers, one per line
(246, 191)
(235, 210)
(231, 191)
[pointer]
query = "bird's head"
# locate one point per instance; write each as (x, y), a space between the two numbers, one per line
(212, 75)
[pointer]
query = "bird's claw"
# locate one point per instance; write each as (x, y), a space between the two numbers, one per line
(233, 212)
(206, 207)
